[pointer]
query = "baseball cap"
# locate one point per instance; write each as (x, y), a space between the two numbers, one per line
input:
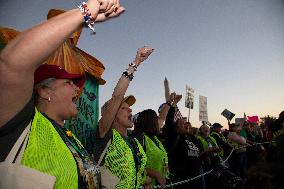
(216, 125)
(46, 71)
(130, 100)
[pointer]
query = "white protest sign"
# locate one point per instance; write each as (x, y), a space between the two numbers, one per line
(189, 97)
(203, 116)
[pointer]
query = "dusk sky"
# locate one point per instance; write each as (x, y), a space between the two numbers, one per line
(231, 51)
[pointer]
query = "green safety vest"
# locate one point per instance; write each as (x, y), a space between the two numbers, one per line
(157, 157)
(221, 153)
(47, 152)
(205, 144)
(120, 161)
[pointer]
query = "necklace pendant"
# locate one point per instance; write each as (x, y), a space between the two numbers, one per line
(69, 133)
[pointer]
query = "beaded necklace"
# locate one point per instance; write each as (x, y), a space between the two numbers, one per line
(67, 136)
(88, 170)
(137, 155)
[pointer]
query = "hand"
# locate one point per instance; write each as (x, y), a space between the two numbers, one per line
(172, 97)
(102, 16)
(167, 89)
(142, 54)
(161, 180)
(166, 82)
(102, 10)
(147, 183)
(178, 98)
(107, 5)
(147, 186)
(94, 7)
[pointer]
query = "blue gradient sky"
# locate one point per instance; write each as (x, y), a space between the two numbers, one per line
(229, 51)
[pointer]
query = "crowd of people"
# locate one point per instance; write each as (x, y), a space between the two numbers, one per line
(163, 149)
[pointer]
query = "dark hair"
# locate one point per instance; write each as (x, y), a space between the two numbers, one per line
(231, 126)
(216, 125)
(276, 125)
(188, 123)
(147, 122)
(281, 116)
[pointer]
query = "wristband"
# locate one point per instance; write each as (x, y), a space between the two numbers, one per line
(88, 19)
(134, 66)
(128, 75)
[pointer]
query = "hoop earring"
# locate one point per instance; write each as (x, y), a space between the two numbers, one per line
(48, 99)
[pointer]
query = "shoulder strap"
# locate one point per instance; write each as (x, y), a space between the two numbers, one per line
(19, 145)
(103, 153)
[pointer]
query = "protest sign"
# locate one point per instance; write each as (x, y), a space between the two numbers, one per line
(189, 97)
(203, 116)
(227, 114)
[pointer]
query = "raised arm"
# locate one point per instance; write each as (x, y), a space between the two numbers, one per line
(165, 108)
(114, 103)
(237, 138)
(21, 57)
(167, 89)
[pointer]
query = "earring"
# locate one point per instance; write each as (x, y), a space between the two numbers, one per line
(48, 99)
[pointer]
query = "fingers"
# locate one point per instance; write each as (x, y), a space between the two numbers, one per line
(144, 52)
(93, 6)
(110, 10)
(116, 13)
(104, 4)
(108, 6)
(178, 97)
(102, 17)
(173, 94)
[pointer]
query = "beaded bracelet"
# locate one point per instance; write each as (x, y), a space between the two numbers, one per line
(135, 66)
(128, 75)
(88, 19)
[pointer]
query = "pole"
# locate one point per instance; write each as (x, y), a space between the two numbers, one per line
(188, 114)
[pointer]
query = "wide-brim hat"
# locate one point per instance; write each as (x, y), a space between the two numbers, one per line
(73, 59)
(46, 71)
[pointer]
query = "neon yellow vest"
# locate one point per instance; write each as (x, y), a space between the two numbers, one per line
(221, 153)
(48, 153)
(205, 144)
(157, 157)
(119, 160)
